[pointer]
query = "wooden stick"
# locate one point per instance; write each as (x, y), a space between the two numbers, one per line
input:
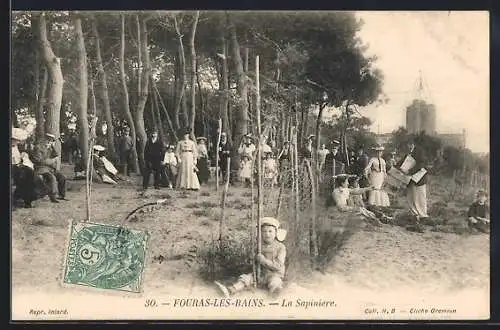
(259, 163)
(224, 196)
(219, 133)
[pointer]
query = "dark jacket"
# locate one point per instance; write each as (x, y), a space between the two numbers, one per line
(224, 151)
(154, 153)
(361, 164)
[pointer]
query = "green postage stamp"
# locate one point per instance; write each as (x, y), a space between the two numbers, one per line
(105, 257)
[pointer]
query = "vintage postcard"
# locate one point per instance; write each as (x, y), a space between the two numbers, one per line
(212, 165)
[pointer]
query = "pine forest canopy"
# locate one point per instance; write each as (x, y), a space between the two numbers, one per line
(187, 69)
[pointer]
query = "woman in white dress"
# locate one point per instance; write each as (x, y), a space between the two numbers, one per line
(187, 154)
(246, 151)
(376, 173)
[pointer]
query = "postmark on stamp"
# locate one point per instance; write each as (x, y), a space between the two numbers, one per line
(105, 257)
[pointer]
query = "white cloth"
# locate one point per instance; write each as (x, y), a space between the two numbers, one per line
(270, 168)
(109, 166)
(322, 153)
(376, 170)
(16, 155)
(170, 158)
(246, 154)
(341, 196)
(266, 148)
(417, 200)
(202, 150)
(187, 154)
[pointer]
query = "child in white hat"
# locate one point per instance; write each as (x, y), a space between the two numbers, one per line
(271, 259)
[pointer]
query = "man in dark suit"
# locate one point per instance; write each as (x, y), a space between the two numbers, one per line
(153, 156)
(224, 154)
(417, 189)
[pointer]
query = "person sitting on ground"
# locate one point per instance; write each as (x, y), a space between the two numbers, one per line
(272, 261)
(45, 159)
(22, 170)
(342, 193)
(105, 171)
(478, 215)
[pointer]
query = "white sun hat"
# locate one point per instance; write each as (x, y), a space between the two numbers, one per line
(270, 221)
(19, 134)
(99, 148)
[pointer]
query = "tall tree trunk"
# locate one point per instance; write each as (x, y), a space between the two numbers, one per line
(139, 57)
(40, 88)
(56, 81)
(182, 76)
(193, 73)
(42, 94)
(83, 87)
(105, 95)
(155, 109)
(201, 111)
(126, 107)
(226, 126)
(139, 113)
(241, 115)
(177, 94)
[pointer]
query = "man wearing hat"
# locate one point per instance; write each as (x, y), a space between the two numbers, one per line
(334, 164)
(224, 154)
(45, 160)
(125, 148)
(22, 169)
(361, 164)
(153, 157)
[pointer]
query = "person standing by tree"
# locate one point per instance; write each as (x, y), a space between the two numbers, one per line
(125, 148)
(153, 157)
(204, 171)
(361, 164)
(45, 159)
(187, 154)
(224, 154)
(322, 153)
(72, 145)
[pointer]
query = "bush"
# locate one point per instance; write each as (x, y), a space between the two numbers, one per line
(226, 259)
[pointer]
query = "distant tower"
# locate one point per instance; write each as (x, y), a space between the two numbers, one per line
(420, 115)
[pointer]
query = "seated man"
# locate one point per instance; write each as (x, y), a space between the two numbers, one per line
(478, 215)
(45, 160)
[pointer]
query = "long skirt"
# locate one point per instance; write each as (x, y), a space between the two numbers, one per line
(187, 177)
(378, 197)
(245, 169)
(417, 199)
(204, 171)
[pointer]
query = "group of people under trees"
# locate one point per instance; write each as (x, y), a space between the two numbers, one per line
(358, 186)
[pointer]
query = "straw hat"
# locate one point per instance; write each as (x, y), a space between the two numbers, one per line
(335, 142)
(50, 135)
(201, 138)
(99, 148)
(378, 148)
(19, 134)
(311, 136)
(270, 221)
(171, 146)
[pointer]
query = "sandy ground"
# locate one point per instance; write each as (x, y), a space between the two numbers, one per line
(387, 267)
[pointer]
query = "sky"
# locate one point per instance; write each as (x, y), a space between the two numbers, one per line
(452, 51)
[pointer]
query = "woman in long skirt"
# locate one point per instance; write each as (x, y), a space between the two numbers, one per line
(203, 169)
(376, 172)
(187, 154)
